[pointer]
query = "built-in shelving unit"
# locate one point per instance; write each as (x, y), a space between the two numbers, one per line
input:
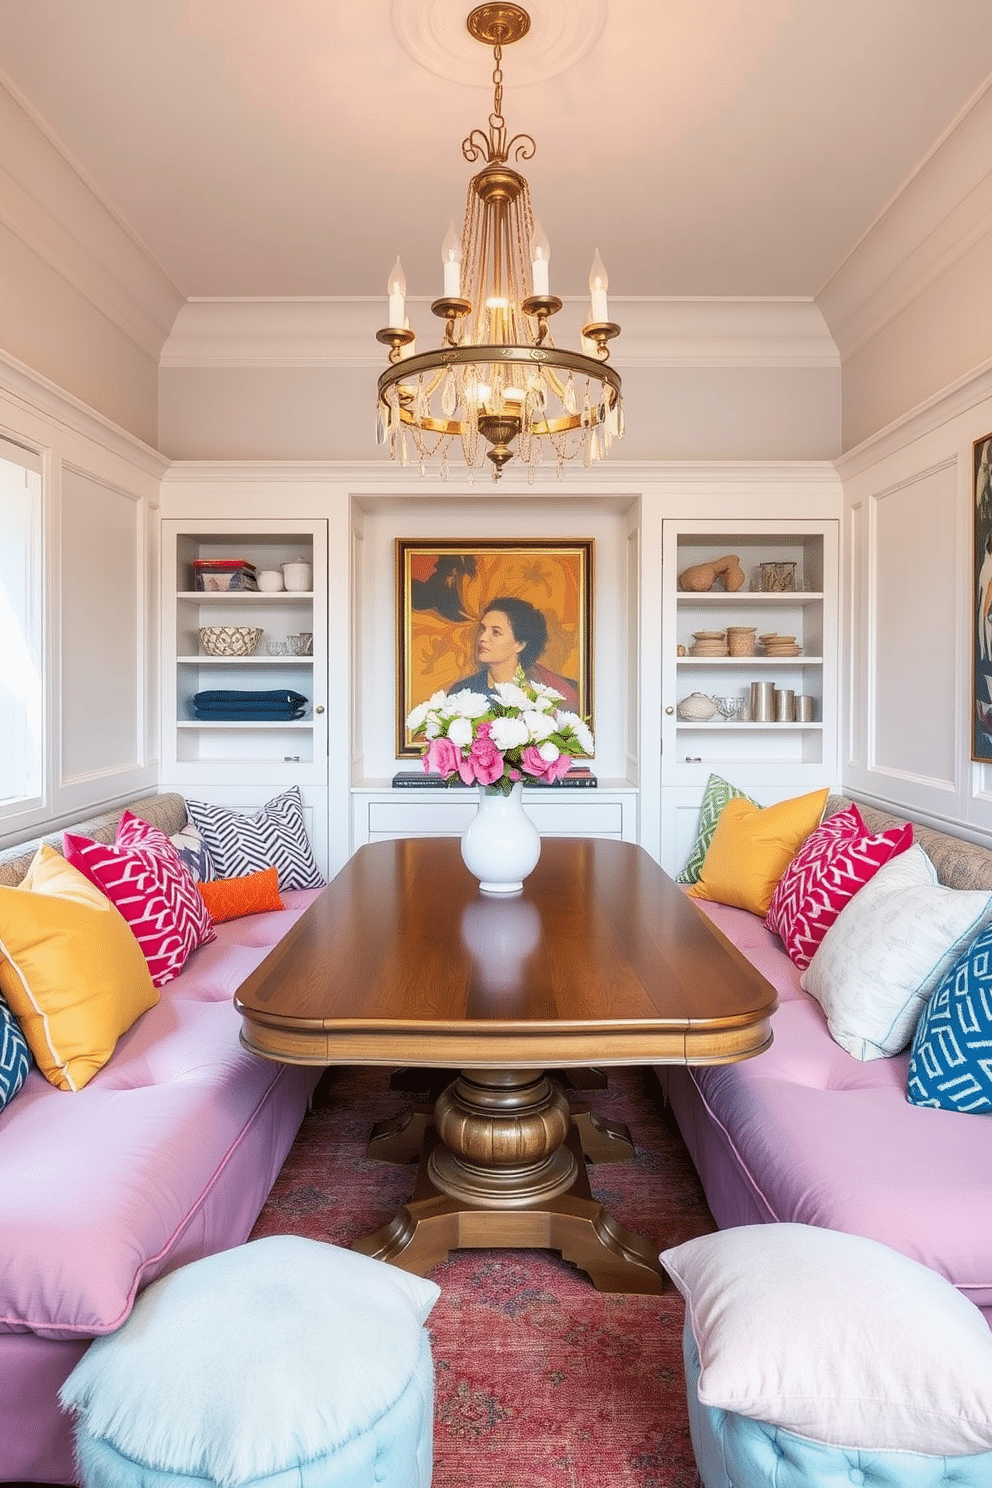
(244, 761)
(766, 758)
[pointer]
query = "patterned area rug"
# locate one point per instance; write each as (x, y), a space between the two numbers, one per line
(541, 1381)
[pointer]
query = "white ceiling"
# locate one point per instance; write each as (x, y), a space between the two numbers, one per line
(294, 147)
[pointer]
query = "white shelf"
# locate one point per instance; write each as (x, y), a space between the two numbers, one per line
(249, 661)
(244, 596)
(748, 597)
(273, 725)
(746, 727)
(748, 662)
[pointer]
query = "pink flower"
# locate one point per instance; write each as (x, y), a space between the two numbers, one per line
(484, 764)
(561, 767)
(534, 763)
(442, 757)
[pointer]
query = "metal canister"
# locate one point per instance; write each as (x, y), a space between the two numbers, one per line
(762, 702)
(785, 705)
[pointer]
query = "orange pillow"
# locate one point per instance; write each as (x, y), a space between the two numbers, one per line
(230, 898)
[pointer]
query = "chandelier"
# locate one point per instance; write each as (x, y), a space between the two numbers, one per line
(497, 380)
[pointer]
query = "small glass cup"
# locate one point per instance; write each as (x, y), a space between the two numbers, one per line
(276, 648)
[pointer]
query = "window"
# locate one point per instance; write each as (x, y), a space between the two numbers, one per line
(22, 751)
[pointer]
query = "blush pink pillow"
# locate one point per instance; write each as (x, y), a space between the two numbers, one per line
(144, 878)
(833, 863)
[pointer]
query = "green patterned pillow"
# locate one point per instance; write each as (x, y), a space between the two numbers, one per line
(716, 795)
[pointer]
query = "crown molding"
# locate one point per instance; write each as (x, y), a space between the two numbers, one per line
(950, 403)
(47, 202)
(931, 222)
(611, 478)
(37, 395)
(339, 332)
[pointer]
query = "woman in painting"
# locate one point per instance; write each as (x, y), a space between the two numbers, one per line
(513, 633)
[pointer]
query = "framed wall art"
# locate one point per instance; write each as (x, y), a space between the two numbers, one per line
(981, 747)
(469, 612)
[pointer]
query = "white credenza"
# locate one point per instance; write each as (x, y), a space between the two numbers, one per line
(608, 810)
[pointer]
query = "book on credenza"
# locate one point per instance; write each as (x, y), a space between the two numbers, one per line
(580, 777)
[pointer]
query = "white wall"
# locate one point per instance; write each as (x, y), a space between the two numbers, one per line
(911, 310)
(80, 301)
(909, 614)
(101, 492)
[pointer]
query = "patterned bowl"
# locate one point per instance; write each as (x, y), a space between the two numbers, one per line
(230, 640)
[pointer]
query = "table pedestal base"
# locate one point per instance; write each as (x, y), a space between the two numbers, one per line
(503, 1166)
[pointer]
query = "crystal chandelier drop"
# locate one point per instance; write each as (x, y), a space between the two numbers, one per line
(497, 386)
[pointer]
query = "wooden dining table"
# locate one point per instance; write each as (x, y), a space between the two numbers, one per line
(600, 960)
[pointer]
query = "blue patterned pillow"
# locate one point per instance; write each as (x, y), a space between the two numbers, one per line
(15, 1056)
(951, 1060)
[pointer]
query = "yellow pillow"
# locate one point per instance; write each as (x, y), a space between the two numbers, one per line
(70, 969)
(752, 847)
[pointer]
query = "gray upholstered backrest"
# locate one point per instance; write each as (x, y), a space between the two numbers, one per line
(959, 864)
(167, 812)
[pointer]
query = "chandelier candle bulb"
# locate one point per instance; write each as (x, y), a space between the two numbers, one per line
(598, 285)
(540, 252)
(451, 257)
(397, 295)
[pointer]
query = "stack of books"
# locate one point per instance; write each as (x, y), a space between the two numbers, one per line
(578, 776)
(223, 573)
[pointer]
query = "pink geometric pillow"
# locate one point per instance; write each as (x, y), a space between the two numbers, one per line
(144, 877)
(827, 871)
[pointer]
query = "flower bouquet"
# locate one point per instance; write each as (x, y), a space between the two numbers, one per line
(498, 739)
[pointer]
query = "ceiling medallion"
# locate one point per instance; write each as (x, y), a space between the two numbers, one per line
(480, 393)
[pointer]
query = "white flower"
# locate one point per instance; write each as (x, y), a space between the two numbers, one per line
(509, 733)
(467, 704)
(460, 732)
(511, 696)
(539, 725)
(432, 727)
(416, 719)
(581, 730)
(546, 696)
(549, 752)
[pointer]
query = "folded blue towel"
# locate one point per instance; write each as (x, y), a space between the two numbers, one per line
(246, 714)
(231, 697)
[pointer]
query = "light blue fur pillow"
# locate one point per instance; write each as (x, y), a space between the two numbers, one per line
(246, 1364)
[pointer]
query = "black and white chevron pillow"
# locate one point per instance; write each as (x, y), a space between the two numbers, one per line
(240, 843)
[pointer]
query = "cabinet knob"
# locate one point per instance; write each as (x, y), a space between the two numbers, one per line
(319, 708)
(669, 710)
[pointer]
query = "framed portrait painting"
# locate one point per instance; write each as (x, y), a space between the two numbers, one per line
(981, 747)
(470, 612)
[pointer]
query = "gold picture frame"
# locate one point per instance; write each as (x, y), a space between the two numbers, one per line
(981, 664)
(443, 590)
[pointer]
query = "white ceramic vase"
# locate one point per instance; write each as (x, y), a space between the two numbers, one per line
(501, 844)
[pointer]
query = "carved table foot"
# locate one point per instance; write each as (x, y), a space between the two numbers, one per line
(504, 1167)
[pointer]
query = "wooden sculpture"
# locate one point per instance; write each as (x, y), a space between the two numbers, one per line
(702, 576)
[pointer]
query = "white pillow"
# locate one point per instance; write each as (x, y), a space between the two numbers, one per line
(885, 953)
(836, 1338)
